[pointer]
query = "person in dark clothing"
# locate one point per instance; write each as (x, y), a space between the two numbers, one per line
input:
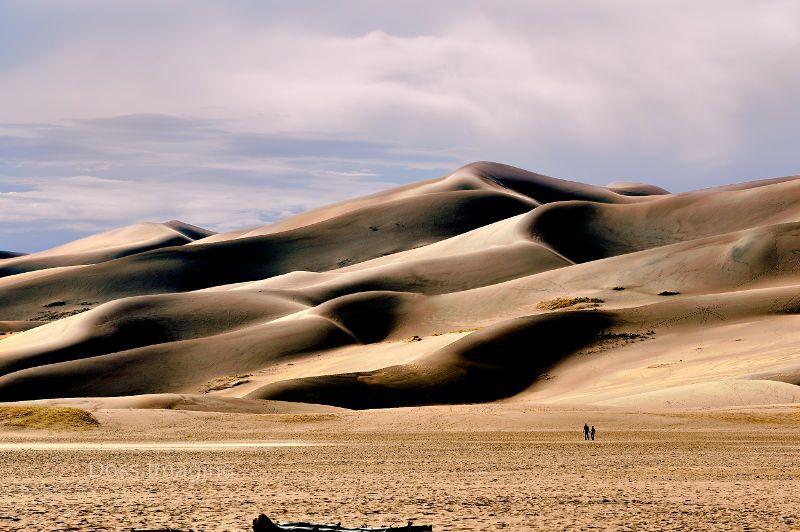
(592, 432)
(585, 431)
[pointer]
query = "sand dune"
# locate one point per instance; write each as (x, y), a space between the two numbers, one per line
(586, 231)
(717, 394)
(489, 364)
(351, 238)
(486, 176)
(10, 254)
(107, 246)
(191, 402)
(431, 293)
(632, 188)
(140, 321)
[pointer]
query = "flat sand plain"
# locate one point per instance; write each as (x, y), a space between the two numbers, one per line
(457, 468)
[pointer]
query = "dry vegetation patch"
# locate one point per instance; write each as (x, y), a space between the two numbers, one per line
(223, 383)
(567, 302)
(611, 340)
(53, 316)
(302, 418)
(626, 336)
(46, 417)
(418, 338)
(457, 332)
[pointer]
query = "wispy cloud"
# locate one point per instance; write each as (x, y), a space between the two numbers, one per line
(89, 175)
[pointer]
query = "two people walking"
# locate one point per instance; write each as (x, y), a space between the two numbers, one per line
(587, 432)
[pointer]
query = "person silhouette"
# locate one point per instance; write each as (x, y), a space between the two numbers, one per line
(592, 432)
(585, 431)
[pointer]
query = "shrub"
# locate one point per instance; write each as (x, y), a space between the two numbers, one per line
(624, 336)
(456, 332)
(566, 302)
(53, 316)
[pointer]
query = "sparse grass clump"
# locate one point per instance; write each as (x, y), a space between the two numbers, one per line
(53, 316)
(627, 336)
(302, 418)
(612, 340)
(417, 338)
(566, 302)
(668, 293)
(618, 288)
(456, 332)
(46, 417)
(223, 383)
(55, 304)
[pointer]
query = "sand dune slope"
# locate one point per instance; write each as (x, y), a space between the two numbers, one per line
(10, 254)
(586, 231)
(348, 239)
(490, 283)
(107, 246)
(724, 393)
(140, 321)
(487, 176)
(489, 364)
(176, 366)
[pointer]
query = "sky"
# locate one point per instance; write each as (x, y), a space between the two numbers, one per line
(239, 113)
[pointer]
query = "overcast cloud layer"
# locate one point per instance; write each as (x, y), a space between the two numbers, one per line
(232, 114)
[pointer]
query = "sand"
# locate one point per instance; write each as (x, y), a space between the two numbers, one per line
(399, 356)
(458, 468)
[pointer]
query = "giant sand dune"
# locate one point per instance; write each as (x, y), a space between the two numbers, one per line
(490, 284)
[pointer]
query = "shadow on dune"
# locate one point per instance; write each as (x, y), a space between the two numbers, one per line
(487, 365)
(176, 366)
(584, 231)
(147, 320)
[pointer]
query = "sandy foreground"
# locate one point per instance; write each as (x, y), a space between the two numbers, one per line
(474, 467)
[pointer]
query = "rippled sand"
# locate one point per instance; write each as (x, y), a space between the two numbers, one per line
(725, 479)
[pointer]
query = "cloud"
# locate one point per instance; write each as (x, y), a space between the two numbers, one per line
(87, 203)
(82, 176)
(274, 96)
(618, 75)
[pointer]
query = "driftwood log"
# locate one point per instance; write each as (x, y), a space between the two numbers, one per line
(262, 523)
(159, 530)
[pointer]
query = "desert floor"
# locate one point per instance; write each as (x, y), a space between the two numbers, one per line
(475, 467)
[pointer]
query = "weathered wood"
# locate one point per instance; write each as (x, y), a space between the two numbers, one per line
(263, 524)
(159, 530)
(317, 527)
